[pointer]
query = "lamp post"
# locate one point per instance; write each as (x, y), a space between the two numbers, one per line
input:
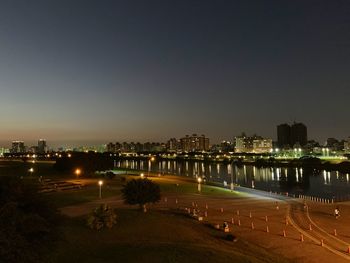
(199, 184)
(77, 172)
(150, 164)
(231, 185)
(100, 183)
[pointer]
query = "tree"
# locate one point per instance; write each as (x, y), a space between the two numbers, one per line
(140, 192)
(102, 216)
(28, 224)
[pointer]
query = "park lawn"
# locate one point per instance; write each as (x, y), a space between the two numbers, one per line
(87, 194)
(184, 185)
(168, 184)
(156, 236)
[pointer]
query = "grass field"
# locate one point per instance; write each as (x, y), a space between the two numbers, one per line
(151, 237)
(156, 236)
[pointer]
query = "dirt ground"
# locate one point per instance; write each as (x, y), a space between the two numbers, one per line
(253, 219)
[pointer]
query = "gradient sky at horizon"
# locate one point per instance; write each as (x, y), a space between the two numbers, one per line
(151, 70)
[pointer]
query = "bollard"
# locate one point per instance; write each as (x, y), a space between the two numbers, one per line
(222, 210)
(239, 222)
(232, 221)
(301, 238)
(238, 212)
(335, 232)
(322, 244)
(252, 226)
(310, 227)
(250, 214)
(206, 206)
(284, 233)
(266, 218)
(267, 229)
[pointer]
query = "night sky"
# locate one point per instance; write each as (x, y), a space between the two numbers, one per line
(151, 70)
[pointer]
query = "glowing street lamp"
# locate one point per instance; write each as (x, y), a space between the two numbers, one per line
(142, 175)
(199, 184)
(150, 164)
(77, 172)
(31, 170)
(100, 183)
(231, 185)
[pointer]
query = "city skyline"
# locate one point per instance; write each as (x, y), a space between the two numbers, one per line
(149, 71)
(81, 143)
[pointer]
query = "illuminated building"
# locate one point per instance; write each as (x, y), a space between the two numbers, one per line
(18, 147)
(194, 143)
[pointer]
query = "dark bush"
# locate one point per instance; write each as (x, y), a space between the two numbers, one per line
(230, 237)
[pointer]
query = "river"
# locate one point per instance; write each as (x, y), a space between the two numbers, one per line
(317, 183)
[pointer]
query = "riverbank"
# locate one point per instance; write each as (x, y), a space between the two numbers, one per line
(259, 223)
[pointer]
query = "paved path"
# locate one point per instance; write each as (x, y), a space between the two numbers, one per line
(299, 216)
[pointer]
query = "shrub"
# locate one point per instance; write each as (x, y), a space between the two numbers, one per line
(102, 216)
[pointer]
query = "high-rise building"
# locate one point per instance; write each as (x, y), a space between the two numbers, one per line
(262, 145)
(290, 136)
(18, 147)
(248, 144)
(194, 143)
(283, 136)
(111, 147)
(173, 145)
(241, 144)
(42, 146)
(298, 134)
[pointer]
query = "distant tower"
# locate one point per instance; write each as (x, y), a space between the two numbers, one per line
(42, 147)
(18, 147)
(298, 134)
(284, 136)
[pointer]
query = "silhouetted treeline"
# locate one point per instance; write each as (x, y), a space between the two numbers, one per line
(88, 163)
(28, 224)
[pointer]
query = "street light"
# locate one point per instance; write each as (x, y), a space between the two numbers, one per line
(142, 175)
(31, 170)
(199, 184)
(100, 183)
(150, 164)
(231, 185)
(77, 172)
